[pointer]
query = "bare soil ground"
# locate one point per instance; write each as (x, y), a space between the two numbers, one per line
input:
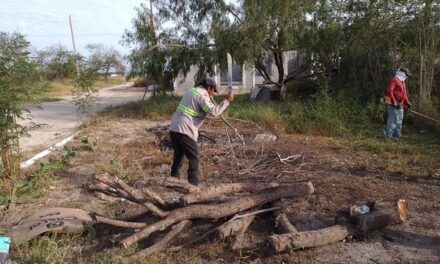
(342, 175)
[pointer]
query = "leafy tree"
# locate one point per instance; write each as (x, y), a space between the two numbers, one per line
(18, 77)
(147, 59)
(60, 63)
(204, 31)
(84, 93)
(352, 46)
(104, 59)
(421, 49)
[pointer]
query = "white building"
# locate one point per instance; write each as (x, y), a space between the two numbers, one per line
(242, 76)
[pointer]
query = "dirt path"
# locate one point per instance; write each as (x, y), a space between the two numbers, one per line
(61, 118)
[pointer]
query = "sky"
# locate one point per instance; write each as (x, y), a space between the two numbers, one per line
(46, 22)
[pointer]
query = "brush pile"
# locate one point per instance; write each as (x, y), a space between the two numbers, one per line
(231, 208)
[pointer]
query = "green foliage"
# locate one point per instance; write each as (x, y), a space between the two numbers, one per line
(104, 59)
(26, 190)
(56, 62)
(91, 142)
(84, 91)
(204, 31)
(17, 82)
(324, 114)
(50, 167)
(356, 45)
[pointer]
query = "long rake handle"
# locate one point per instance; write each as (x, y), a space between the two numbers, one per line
(425, 116)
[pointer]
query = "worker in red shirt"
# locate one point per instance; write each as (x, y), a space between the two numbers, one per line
(396, 99)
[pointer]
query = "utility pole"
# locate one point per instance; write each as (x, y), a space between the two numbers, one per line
(73, 43)
(71, 33)
(154, 39)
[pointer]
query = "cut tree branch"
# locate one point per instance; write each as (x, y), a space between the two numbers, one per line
(162, 244)
(136, 194)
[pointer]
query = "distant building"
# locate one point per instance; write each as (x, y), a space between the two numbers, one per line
(242, 75)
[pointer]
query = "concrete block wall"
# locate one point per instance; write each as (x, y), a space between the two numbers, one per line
(249, 76)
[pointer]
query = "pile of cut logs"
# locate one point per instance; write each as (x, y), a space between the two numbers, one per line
(235, 206)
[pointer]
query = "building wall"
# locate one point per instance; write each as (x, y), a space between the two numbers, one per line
(243, 76)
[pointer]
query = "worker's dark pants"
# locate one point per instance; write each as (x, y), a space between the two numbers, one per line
(185, 146)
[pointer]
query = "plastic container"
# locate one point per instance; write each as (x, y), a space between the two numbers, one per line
(5, 243)
(359, 210)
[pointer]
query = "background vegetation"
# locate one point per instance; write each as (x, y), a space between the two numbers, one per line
(349, 47)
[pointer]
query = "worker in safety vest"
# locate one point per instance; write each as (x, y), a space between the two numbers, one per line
(186, 121)
(396, 98)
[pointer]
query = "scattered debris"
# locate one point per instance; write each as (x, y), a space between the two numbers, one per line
(260, 138)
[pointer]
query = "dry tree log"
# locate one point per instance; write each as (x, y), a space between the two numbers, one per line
(371, 221)
(308, 239)
(163, 243)
(398, 209)
(239, 237)
(217, 190)
(236, 217)
(174, 183)
(216, 211)
(383, 213)
(236, 223)
(282, 223)
(394, 213)
(232, 228)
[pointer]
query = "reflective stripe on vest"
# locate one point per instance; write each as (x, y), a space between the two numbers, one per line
(186, 110)
(195, 92)
(207, 106)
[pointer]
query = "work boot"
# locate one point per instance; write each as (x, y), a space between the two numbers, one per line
(193, 181)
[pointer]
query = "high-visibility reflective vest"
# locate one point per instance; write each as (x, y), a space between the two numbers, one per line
(192, 111)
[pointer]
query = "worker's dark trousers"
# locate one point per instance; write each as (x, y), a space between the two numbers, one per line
(185, 146)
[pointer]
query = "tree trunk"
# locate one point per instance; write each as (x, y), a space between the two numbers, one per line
(218, 190)
(371, 221)
(309, 239)
(397, 209)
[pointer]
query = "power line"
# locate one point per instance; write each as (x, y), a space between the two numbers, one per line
(35, 19)
(76, 35)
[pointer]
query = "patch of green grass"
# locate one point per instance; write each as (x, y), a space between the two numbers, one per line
(49, 249)
(416, 155)
(35, 186)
